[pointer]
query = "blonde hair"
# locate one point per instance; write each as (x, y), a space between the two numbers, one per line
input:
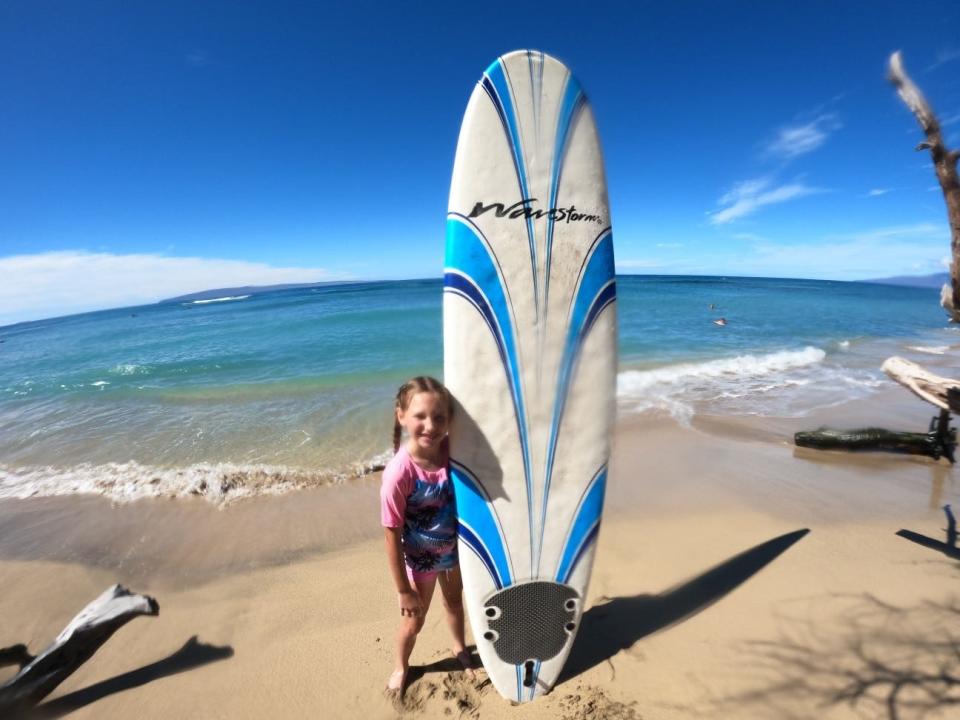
(418, 384)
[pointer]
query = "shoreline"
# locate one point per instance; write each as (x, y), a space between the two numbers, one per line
(703, 579)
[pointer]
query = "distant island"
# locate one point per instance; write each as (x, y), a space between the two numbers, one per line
(936, 280)
(250, 290)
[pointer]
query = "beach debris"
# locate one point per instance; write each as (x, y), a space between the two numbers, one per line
(923, 383)
(940, 440)
(945, 166)
(75, 644)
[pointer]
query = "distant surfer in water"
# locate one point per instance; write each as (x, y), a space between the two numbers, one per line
(720, 321)
(419, 520)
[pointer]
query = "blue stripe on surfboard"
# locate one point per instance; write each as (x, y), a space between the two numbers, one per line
(496, 83)
(479, 525)
(584, 528)
(596, 289)
(473, 274)
(573, 101)
(470, 539)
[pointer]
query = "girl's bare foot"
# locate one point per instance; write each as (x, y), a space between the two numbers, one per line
(395, 683)
(466, 662)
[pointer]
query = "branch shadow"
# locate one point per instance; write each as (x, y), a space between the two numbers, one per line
(192, 655)
(884, 661)
(928, 542)
(620, 622)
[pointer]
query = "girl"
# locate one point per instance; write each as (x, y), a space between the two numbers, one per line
(419, 520)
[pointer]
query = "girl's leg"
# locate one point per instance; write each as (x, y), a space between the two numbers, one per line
(451, 585)
(409, 628)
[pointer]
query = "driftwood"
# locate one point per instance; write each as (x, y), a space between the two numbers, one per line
(922, 383)
(931, 444)
(940, 440)
(945, 166)
(76, 644)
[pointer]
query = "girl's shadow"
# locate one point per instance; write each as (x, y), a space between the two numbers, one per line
(620, 622)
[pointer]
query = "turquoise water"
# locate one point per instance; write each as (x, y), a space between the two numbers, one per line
(295, 387)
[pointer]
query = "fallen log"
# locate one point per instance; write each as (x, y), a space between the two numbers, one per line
(76, 644)
(932, 444)
(940, 440)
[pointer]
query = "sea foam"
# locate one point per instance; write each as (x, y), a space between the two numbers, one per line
(788, 382)
(219, 483)
(226, 298)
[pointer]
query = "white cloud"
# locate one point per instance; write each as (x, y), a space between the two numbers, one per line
(670, 245)
(198, 58)
(944, 56)
(795, 140)
(879, 252)
(949, 120)
(877, 192)
(750, 195)
(59, 283)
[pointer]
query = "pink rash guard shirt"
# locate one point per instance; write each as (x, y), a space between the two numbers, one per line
(421, 503)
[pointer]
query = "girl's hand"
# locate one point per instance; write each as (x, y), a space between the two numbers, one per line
(409, 603)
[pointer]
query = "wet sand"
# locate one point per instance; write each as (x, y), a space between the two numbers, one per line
(709, 598)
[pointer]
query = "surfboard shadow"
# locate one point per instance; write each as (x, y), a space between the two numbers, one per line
(489, 469)
(191, 655)
(620, 622)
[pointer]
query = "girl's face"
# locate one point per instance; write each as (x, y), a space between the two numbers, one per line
(425, 420)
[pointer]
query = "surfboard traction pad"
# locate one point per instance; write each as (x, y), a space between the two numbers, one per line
(530, 358)
(531, 621)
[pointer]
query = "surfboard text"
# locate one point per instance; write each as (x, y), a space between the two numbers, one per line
(524, 209)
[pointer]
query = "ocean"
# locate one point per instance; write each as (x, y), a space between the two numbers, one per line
(252, 394)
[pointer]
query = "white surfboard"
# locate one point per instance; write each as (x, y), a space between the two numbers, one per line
(530, 356)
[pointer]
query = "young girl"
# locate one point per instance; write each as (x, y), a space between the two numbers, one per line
(419, 520)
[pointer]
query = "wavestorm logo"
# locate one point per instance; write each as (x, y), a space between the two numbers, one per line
(525, 209)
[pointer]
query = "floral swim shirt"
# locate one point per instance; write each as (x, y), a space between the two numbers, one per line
(422, 503)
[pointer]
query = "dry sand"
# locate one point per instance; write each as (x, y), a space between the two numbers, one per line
(708, 598)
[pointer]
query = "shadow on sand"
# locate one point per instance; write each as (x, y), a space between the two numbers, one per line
(928, 542)
(879, 661)
(192, 655)
(620, 622)
(448, 664)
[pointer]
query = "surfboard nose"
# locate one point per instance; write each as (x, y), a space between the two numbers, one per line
(531, 620)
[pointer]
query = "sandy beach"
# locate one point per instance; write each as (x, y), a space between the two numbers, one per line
(736, 577)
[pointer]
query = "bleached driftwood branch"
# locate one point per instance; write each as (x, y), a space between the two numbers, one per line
(924, 384)
(76, 644)
(945, 165)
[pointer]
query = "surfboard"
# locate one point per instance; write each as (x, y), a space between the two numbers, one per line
(530, 356)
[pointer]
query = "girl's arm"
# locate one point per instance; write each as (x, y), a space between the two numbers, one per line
(408, 597)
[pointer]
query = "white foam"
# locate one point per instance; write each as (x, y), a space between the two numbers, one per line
(219, 483)
(930, 349)
(634, 382)
(226, 298)
(130, 369)
(788, 382)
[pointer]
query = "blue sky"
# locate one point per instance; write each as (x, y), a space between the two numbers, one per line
(150, 149)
